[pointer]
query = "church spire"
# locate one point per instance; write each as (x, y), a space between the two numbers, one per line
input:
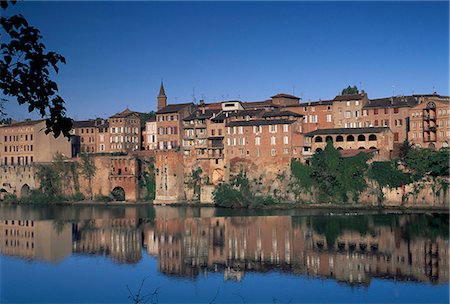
(162, 98)
(162, 92)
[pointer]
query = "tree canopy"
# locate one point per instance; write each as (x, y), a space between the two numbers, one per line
(25, 70)
(350, 90)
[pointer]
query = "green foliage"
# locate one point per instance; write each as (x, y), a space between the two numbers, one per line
(194, 181)
(301, 175)
(336, 177)
(102, 198)
(148, 179)
(146, 116)
(36, 196)
(10, 198)
(387, 175)
(237, 194)
(350, 90)
(88, 170)
(26, 67)
(404, 149)
(118, 194)
(49, 178)
(427, 162)
(427, 226)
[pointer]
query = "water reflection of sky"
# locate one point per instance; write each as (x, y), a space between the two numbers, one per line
(312, 258)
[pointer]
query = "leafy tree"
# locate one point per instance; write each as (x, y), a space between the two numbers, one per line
(387, 175)
(194, 181)
(50, 182)
(88, 170)
(148, 179)
(350, 90)
(25, 68)
(145, 116)
(404, 149)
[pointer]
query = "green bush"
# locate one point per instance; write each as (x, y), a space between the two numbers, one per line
(102, 198)
(10, 198)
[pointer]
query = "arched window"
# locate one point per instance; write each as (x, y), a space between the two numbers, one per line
(329, 138)
(318, 139)
(372, 148)
(339, 148)
(339, 138)
(318, 150)
(372, 137)
(350, 138)
(361, 148)
(361, 138)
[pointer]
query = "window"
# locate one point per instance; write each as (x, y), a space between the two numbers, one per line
(375, 112)
(348, 103)
(273, 152)
(285, 128)
(395, 136)
(273, 140)
(257, 141)
(258, 153)
(285, 151)
(376, 123)
(395, 110)
(286, 140)
(348, 114)
(386, 111)
(240, 130)
(241, 141)
(328, 117)
(272, 128)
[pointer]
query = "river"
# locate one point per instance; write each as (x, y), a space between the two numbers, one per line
(207, 255)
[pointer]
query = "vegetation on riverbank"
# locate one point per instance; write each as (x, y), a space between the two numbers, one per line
(331, 179)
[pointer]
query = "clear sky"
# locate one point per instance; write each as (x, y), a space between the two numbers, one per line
(118, 52)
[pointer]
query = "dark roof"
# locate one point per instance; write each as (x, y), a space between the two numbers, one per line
(278, 112)
(392, 102)
(172, 108)
(84, 123)
(24, 123)
(282, 95)
(125, 113)
(199, 115)
(151, 119)
(162, 92)
(250, 112)
(313, 103)
(347, 131)
(259, 122)
(258, 104)
(349, 97)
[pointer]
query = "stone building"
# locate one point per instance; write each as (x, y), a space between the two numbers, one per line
(379, 139)
(317, 114)
(88, 133)
(430, 122)
(150, 139)
(392, 112)
(103, 138)
(169, 124)
(125, 131)
(347, 110)
(24, 143)
(169, 176)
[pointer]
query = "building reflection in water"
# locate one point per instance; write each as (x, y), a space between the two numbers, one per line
(350, 249)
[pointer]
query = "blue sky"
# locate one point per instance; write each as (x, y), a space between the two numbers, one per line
(118, 52)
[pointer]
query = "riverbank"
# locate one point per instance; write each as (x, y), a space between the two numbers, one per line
(277, 206)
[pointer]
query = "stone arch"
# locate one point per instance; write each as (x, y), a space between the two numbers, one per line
(25, 190)
(372, 137)
(217, 176)
(3, 192)
(339, 138)
(361, 148)
(372, 148)
(118, 193)
(350, 138)
(318, 139)
(361, 137)
(319, 150)
(339, 148)
(329, 138)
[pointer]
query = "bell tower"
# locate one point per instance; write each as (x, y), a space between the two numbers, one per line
(162, 98)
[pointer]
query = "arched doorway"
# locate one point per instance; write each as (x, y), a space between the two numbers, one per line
(329, 138)
(318, 150)
(25, 190)
(3, 192)
(118, 193)
(217, 176)
(318, 139)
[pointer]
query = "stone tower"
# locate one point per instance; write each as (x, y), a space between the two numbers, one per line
(162, 98)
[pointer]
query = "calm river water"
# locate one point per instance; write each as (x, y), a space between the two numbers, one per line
(104, 254)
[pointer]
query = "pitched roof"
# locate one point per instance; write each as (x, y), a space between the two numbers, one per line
(200, 115)
(84, 123)
(125, 113)
(173, 108)
(250, 112)
(278, 112)
(348, 97)
(354, 152)
(282, 95)
(23, 123)
(259, 122)
(258, 104)
(162, 92)
(392, 102)
(313, 103)
(347, 131)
